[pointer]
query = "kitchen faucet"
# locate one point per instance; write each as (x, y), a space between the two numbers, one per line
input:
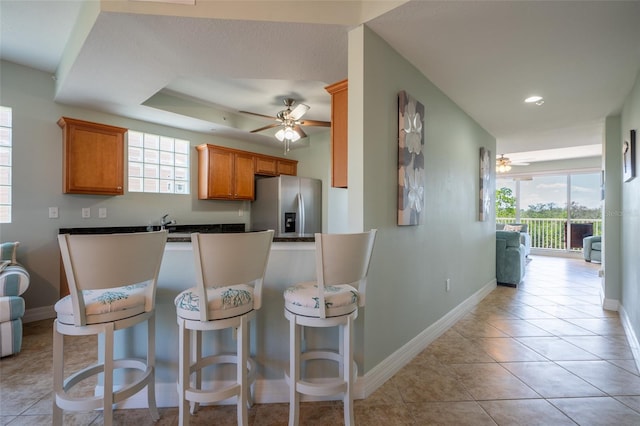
(164, 222)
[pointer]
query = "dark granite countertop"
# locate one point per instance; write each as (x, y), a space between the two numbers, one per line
(293, 239)
(174, 230)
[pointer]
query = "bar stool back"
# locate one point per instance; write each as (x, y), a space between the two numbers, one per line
(229, 269)
(112, 283)
(342, 265)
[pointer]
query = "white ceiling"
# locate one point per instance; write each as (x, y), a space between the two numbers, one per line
(196, 66)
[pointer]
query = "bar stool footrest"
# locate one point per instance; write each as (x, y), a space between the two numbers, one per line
(66, 402)
(200, 396)
(326, 387)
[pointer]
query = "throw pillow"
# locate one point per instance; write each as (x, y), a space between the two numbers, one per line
(513, 228)
(8, 251)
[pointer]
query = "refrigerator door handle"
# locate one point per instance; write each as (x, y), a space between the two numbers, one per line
(300, 214)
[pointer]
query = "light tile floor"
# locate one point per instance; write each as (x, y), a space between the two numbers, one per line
(544, 353)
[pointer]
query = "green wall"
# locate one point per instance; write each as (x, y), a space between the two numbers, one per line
(406, 291)
(612, 216)
(630, 224)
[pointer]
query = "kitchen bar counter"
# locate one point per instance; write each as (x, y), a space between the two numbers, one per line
(290, 262)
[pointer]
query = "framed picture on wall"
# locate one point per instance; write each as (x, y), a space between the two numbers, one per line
(629, 157)
(484, 207)
(411, 174)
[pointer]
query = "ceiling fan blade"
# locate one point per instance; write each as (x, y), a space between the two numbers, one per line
(270, 126)
(299, 130)
(298, 111)
(316, 123)
(259, 115)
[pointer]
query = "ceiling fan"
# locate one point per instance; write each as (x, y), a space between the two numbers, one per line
(503, 164)
(289, 120)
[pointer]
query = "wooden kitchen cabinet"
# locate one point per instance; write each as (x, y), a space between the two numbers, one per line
(229, 174)
(266, 165)
(224, 174)
(287, 167)
(93, 157)
(339, 137)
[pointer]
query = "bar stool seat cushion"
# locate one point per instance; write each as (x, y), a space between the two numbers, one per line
(224, 302)
(302, 299)
(106, 305)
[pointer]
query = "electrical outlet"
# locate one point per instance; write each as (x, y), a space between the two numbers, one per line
(240, 212)
(102, 212)
(448, 284)
(86, 212)
(53, 212)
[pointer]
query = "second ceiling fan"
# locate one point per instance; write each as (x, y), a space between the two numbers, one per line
(289, 120)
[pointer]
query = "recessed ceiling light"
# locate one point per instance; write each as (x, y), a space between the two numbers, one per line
(535, 100)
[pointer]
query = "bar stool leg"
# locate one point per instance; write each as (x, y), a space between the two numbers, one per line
(347, 365)
(58, 368)
(197, 356)
(294, 372)
(151, 357)
(107, 395)
(241, 358)
(183, 373)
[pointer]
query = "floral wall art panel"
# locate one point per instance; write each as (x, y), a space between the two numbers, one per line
(411, 177)
(484, 207)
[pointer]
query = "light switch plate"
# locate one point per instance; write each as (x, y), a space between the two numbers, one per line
(53, 212)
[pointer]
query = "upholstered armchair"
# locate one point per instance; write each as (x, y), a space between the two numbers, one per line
(523, 228)
(14, 280)
(592, 248)
(510, 258)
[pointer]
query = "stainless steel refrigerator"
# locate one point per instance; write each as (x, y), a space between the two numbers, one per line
(290, 205)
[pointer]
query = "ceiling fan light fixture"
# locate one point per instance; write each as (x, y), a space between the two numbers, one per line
(503, 164)
(287, 133)
(291, 134)
(538, 100)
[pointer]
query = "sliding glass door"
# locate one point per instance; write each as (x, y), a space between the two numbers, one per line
(560, 209)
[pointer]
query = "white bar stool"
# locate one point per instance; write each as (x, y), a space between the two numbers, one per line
(229, 269)
(342, 265)
(112, 284)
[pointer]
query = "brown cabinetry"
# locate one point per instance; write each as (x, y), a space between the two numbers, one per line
(228, 174)
(287, 167)
(266, 166)
(224, 174)
(93, 157)
(274, 166)
(339, 145)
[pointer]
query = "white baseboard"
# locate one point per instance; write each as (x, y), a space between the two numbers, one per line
(277, 390)
(632, 338)
(382, 372)
(609, 304)
(37, 314)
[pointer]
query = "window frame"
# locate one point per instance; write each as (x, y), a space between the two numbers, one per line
(154, 161)
(6, 170)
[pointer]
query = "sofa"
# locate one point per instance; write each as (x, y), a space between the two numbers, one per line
(592, 248)
(523, 228)
(510, 258)
(14, 281)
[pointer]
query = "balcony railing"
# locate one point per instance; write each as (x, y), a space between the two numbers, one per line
(552, 234)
